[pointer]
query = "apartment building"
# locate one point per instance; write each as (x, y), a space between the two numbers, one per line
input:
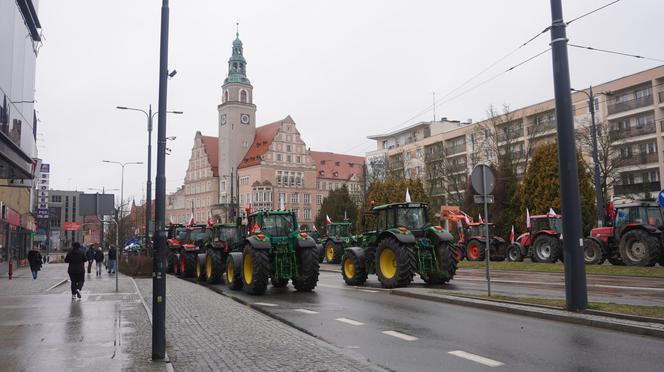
(629, 115)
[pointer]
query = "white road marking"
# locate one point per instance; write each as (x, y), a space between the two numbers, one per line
(350, 321)
(561, 284)
(369, 290)
(265, 304)
(306, 311)
(400, 335)
(476, 358)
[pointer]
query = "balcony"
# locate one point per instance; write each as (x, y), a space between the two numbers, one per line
(630, 105)
(617, 134)
(639, 159)
(456, 149)
(438, 155)
(637, 188)
(542, 126)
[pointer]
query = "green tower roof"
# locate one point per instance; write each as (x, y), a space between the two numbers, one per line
(237, 65)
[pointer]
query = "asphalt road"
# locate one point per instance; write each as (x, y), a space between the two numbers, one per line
(405, 334)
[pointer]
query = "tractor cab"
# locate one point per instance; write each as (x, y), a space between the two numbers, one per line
(228, 236)
(176, 234)
(195, 237)
(339, 229)
(641, 213)
(476, 229)
(277, 225)
(411, 217)
(546, 223)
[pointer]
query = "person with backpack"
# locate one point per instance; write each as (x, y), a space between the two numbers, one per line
(76, 260)
(99, 259)
(112, 259)
(90, 256)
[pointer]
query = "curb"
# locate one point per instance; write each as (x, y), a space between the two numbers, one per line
(542, 312)
(63, 281)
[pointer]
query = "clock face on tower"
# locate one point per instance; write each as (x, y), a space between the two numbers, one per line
(223, 119)
(244, 119)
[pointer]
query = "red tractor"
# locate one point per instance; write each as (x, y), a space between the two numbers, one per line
(176, 233)
(472, 238)
(543, 241)
(634, 237)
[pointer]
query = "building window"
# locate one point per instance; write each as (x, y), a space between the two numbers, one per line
(56, 198)
(289, 158)
(243, 95)
(298, 159)
(282, 198)
(307, 213)
(279, 157)
(295, 198)
(319, 199)
(307, 198)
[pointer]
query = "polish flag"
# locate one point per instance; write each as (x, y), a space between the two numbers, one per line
(210, 220)
(512, 235)
(612, 210)
(467, 219)
(191, 220)
(551, 213)
(527, 219)
(407, 196)
(255, 228)
(481, 220)
(327, 220)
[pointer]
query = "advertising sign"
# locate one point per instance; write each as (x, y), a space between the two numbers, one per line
(72, 226)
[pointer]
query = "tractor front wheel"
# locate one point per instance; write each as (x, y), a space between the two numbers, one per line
(214, 267)
(447, 265)
(546, 249)
(395, 263)
(233, 274)
(514, 253)
(187, 264)
(255, 270)
(200, 267)
(475, 250)
(333, 252)
(592, 252)
(353, 271)
(639, 248)
(307, 270)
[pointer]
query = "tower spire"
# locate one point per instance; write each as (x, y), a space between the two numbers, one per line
(237, 28)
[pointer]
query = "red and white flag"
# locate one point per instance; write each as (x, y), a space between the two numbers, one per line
(191, 220)
(481, 220)
(255, 228)
(467, 219)
(512, 235)
(551, 213)
(210, 220)
(612, 209)
(327, 220)
(527, 219)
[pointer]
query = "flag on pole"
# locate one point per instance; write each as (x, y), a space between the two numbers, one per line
(551, 213)
(612, 210)
(314, 228)
(481, 220)
(210, 220)
(407, 196)
(327, 220)
(467, 219)
(527, 219)
(191, 220)
(512, 235)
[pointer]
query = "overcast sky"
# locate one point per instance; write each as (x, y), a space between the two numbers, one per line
(342, 69)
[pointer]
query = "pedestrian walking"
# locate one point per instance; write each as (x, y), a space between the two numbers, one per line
(44, 258)
(90, 256)
(99, 259)
(35, 260)
(112, 259)
(76, 260)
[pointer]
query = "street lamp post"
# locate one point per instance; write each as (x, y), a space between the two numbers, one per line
(148, 199)
(121, 164)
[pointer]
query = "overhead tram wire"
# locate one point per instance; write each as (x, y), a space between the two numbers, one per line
(614, 52)
(440, 100)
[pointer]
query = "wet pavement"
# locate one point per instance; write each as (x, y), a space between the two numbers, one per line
(43, 329)
(630, 290)
(406, 334)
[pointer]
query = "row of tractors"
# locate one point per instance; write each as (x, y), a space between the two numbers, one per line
(635, 237)
(398, 243)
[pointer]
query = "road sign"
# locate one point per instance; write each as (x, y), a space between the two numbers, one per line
(661, 198)
(483, 175)
(479, 199)
(72, 226)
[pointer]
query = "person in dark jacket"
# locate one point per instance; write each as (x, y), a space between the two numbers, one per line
(76, 260)
(112, 259)
(99, 259)
(35, 260)
(90, 256)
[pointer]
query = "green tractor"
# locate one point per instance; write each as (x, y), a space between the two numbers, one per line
(403, 244)
(338, 238)
(210, 263)
(276, 251)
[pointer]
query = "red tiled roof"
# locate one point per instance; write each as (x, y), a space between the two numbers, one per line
(264, 136)
(337, 166)
(211, 145)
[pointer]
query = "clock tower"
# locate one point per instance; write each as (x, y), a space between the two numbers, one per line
(237, 119)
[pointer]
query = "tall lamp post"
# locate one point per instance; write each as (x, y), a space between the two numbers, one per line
(599, 196)
(122, 165)
(148, 199)
(101, 225)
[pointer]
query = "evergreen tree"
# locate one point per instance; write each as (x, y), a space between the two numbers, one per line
(393, 191)
(540, 188)
(336, 205)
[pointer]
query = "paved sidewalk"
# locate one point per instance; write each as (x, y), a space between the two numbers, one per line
(43, 329)
(207, 331)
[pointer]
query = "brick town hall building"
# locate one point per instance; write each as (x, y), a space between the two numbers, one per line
(264, 167)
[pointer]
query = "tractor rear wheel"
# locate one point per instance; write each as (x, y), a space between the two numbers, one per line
(233, 274)
(255, 270)
(279, 282)
(592, 252)
(475, 250)
(353, 271)
(546, 249)
(514, 253)
(321, 252)
(307, 270)
(333, 252)
(639, 248)
(169, 262)
(187, 264)
(214, 267)
(395, 263)
(447, 265)
(459, 255)
(200, 267)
